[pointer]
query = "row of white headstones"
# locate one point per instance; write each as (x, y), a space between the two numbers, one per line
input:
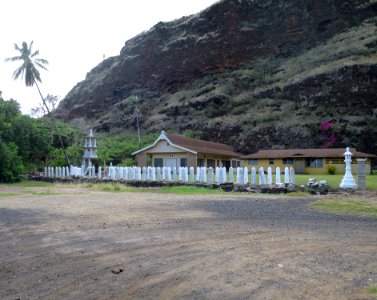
(204, 175)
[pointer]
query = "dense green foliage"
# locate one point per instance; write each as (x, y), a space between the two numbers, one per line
(28, 144)
(118, 149)
(331, 169)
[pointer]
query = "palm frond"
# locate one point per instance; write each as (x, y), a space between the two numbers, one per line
(30, 46)
(35, 53)
(41, 61)
(29, 68)
(17, 48)
(14, 58)
(40, 65)
(19, 71)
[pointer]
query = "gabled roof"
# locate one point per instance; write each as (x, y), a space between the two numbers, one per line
(310, 153)
(194, 146)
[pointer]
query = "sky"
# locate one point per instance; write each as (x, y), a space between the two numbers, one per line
(74, 36)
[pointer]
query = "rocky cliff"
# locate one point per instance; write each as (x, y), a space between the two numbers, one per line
(252, 73)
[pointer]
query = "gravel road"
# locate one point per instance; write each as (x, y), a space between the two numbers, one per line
(82, 244)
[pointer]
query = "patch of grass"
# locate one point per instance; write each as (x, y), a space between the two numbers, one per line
(7, 194)
(348, 207)
(88, 185)
(183, 190)
(373, 290)
(189, 190)
(335, 180)
(297, 194)
(113, 187)
(32, 184)
(48, 192)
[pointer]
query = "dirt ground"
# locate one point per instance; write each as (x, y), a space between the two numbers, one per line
(82, 244)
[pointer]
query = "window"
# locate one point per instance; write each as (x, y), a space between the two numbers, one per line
(314, 162)
(183, 162)
(252, 162)
(287, 161)
(200, 162)
(158, 162)
(271, 161)
(334, 161)
(210, 163)
(236, 164)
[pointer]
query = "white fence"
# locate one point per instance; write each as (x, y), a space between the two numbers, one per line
(203, 175)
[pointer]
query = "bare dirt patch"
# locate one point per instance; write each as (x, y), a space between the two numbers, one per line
(95, 245)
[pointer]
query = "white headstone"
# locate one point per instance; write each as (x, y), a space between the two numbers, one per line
(278, 179)
(192, 175)
(292, 180)
(253, 176)
(269, 176)
(348, 182)
(245, 175)
(223, 174)
(240, 176)
(286, 175)
(185, 174)
(231, 175)
(169, 174)
(180, 174)
(203, 174)
(158, 174)
(262, 176)
(210, 175)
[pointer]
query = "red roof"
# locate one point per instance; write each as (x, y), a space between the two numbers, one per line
(295, 153)
(201, 146)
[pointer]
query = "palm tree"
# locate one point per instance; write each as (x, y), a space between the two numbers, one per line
(29, 71)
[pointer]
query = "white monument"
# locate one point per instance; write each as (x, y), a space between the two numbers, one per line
(348, 182)
(90, 151)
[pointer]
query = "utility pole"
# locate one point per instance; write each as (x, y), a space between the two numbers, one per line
(137, 122)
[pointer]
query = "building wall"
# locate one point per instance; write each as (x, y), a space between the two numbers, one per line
(265, 163)
(171, 156)
(142, 160)
(219, 160)
(164, 147)
(340, 167)
(191, 160)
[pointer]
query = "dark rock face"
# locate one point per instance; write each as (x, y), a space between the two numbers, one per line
(161, 63)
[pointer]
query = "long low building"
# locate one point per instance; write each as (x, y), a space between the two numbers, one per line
(306, 161)
(171, 150)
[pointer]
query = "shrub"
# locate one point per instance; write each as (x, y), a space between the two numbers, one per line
(331, 169)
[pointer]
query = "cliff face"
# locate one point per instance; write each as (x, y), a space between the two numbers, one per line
(255, 73)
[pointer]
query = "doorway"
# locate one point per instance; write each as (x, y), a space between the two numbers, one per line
(171, 162)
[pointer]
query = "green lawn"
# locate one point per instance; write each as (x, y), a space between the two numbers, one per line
(184, 190)
(7, 194)
(335, 180)
(347, 206)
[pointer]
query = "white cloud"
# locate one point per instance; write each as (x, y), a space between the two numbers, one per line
(73, 35)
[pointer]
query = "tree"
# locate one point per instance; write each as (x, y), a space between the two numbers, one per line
(51, 102)
(29, 71)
